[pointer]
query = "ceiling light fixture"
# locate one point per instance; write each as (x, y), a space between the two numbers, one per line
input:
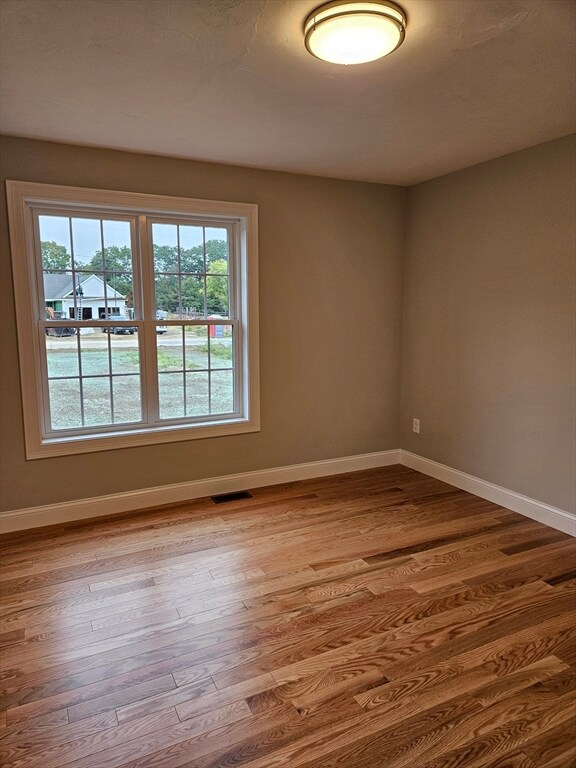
(353, 32)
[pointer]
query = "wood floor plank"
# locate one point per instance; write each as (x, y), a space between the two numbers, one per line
(448, 675)
(165, 738)
(441, 734)
(499, 743)
(85, 749)
(539, 672)
(220, 698)
(567, 758)
(379, 619)
(27, 730)
(9, 638)
(125, 696)
(29, 743)
(430, 636)
(515, 760)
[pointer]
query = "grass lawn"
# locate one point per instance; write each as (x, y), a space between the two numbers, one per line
(192, 382)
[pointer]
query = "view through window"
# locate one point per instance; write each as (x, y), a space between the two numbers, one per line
(142, 317)
(94, 372)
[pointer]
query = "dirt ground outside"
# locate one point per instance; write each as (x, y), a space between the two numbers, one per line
(101, 384)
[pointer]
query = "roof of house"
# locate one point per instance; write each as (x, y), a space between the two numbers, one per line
(60, 286)
(57, 286)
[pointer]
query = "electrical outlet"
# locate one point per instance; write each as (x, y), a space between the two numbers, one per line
(416, 426)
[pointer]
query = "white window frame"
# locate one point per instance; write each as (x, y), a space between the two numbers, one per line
(24, 199)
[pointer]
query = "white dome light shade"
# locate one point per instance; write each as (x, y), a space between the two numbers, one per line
(343, 32)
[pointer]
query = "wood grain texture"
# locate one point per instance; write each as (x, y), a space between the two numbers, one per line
(379, 619)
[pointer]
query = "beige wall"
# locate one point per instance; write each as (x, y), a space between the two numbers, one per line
(488, 330)
(330, 311)
(488, 337)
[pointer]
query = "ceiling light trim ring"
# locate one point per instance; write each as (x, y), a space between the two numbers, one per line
(383, 9)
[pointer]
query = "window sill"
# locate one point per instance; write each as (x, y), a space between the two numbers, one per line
(68, 446)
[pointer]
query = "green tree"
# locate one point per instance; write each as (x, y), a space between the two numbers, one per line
(165, 258)
(191, 259)
(216, 250)
(116, 264)
(54, 256)
(115, 258)
(193, 293)
(217, 288)
(167, 293)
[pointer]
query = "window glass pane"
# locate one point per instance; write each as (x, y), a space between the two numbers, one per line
(127, 399)
(124, 353)
(55, 243)
(171, 391)
(65, 410)
(107, 279)
(216, 250)
(87, 296)
(217, 296)
(165, 258)
(61, 353)
(167, 296)
(222, 391)
(86, 244)
(221, 346)
(193, 296)
(62, 295)
(192, 249)
(196, 347)
(97, 406)
(117, 241)
(197, 394)
(165, 244)
(94, 352)
(169, 350)
(119, 290)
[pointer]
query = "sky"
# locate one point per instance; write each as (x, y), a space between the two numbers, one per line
(86, 234)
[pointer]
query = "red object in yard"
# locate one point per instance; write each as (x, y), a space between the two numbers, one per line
(216, 331)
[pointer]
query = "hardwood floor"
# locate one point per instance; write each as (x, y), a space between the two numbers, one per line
(378, 619)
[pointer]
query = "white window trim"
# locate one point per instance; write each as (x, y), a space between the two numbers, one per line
(24, 195)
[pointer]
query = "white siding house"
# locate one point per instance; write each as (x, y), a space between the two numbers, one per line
(89, 296)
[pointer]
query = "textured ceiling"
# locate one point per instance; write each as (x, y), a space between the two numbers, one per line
(230, 81)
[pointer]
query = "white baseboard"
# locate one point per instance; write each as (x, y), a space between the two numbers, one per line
(82, 509)
(536, 510)
(65, 512)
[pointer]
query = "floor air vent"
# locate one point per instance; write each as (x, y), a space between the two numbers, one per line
(222, 498)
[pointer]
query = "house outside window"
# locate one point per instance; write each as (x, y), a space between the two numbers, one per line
(137, 317)
(83, 301)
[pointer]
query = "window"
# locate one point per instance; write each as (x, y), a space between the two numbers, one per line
(137, 317)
